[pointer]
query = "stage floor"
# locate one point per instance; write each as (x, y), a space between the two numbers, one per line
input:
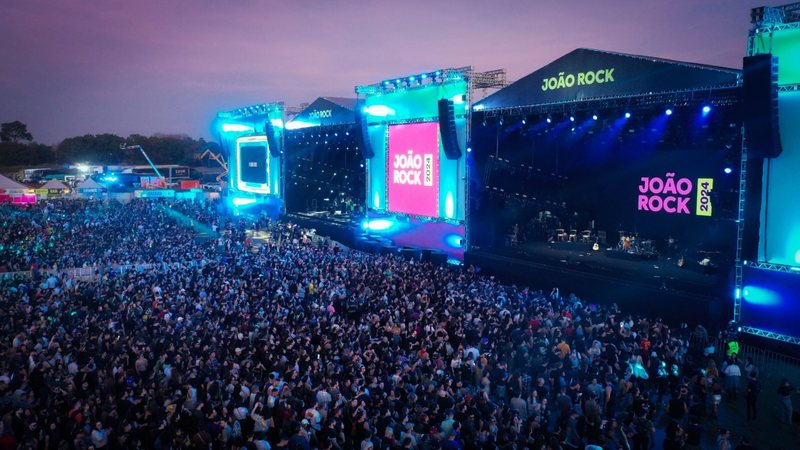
(660, 272)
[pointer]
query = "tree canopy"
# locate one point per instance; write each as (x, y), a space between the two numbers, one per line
(17, 148)
(15, 132)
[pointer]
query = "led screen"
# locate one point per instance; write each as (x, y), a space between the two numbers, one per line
(253, 164)
(770, 302)
(412, 169)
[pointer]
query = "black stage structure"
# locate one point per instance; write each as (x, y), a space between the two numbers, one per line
(325, 169)
(614, 176)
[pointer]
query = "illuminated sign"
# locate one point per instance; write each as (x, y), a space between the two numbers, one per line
(569, 80)
(705, 186)
(321, 114)
(413, 169)
(672, 196)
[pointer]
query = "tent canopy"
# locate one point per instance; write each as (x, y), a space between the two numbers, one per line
(7, 184)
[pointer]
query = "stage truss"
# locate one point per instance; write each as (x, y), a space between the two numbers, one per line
(765, 20)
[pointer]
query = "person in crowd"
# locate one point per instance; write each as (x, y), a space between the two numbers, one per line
(785, 391)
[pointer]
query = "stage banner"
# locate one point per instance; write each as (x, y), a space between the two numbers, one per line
(412, 176)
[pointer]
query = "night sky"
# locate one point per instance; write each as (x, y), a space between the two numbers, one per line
(74, 67)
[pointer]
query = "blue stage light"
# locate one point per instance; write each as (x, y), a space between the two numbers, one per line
(423, 76)
(627, 115)
(469, 149)
(668, 112)
(378, 224)
(386, 83)
(524, 121)
(594, 117)
(572, 118)
(549, 120)
(706, 109)
(728, 170)
(411, 78)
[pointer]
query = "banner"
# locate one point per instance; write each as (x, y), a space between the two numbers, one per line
(412, 169)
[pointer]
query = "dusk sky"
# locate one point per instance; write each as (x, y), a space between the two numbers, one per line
(73, 67)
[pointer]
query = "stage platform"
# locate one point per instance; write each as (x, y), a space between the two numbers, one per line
(648, 286)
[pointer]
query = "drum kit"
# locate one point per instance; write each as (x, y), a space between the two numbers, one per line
(631, 243)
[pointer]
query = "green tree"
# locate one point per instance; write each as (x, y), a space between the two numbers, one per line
(15, 131)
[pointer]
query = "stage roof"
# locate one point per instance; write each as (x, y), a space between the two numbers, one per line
(325, 111)
(586, 74)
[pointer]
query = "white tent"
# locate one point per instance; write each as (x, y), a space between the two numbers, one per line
(54, 184)
(89, 186)
(10, 186)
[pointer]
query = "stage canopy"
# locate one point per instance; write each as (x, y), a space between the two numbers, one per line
(325, 111)
(585, 74)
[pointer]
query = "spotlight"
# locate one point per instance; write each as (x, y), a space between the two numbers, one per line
(728, 170)
(549, 120)
(594, 117)
(572, 118)
(423, 76)
(469, 149)
(524, 120)
(668, 112)
(627, 115)
(706, 109)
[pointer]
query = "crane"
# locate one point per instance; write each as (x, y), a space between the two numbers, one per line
(124, 146)
(219, 158)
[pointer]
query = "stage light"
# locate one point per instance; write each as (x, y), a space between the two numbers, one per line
(423, 76)
(706, 109)
(594, 117)
(668, 112)
(524, 121)
(379, 110)
(386, 83)
(728, 170)
(235, 128)
(572, 118)
(549, 120)
(627, 115)
(242, 201)
(277, 123)
(378, 224)
(469, 149)
(477, 107)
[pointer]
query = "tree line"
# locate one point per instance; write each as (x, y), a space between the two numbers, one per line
(18, 148)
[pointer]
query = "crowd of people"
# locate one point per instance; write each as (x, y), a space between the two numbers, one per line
(292, 342)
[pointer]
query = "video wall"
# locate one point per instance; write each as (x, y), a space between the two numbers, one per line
(254, 168)
(410, 173)
(769, 300)
(412, 179)
(252, 154)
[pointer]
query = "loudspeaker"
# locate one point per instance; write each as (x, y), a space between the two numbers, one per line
(447, 128)
(362, 137)
(760, 105)
(275, 149)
